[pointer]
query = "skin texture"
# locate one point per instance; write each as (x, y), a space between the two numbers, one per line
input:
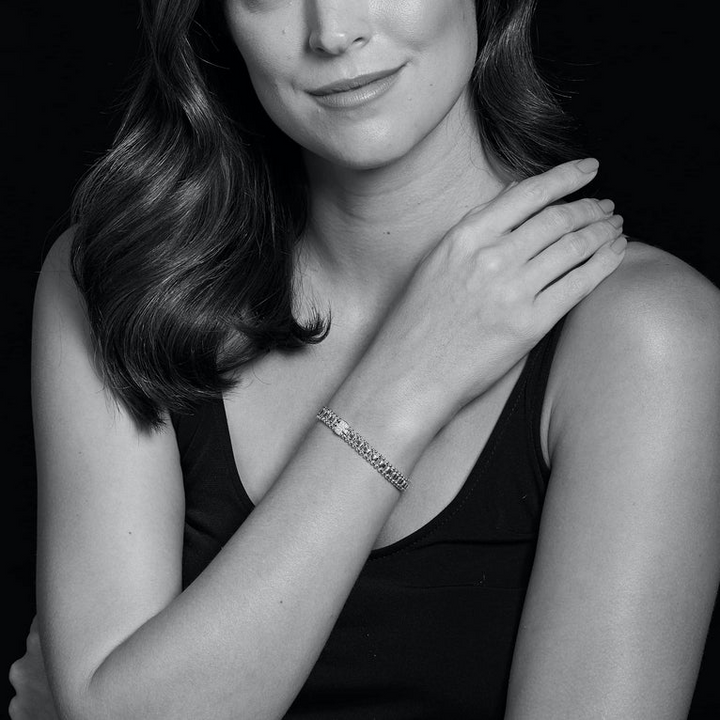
(434, 43)
(627, 567)
(424, 253)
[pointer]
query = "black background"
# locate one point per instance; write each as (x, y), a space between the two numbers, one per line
(640, 79)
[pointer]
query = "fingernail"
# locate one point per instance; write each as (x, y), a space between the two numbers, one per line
(588, 165)
(616, 220)
(607, 205)
(618, 245)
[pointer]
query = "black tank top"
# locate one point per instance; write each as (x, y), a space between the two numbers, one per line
(429, 628)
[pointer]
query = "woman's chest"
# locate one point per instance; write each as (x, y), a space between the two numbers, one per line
(276, 403)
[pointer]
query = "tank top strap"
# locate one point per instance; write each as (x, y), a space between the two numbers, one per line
(538, 371)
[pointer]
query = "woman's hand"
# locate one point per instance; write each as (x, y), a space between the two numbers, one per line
(493, 286)
(257, 619)
(33, 699)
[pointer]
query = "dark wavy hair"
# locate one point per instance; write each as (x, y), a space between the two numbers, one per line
(185, 227)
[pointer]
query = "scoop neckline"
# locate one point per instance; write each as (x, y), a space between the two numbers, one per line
(445, 513)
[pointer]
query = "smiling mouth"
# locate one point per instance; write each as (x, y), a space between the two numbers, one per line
(341, 86)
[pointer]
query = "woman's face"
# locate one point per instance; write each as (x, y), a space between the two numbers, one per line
(307, 59)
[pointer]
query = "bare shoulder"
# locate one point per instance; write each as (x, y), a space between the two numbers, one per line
(628, 560)
(653, 298)
(59, 318)
(57, 258)
(55, 282)
(656, 320)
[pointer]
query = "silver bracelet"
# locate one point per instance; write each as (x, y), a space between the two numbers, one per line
(363, 448)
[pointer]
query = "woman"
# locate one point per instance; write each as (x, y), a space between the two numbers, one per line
(209, 548)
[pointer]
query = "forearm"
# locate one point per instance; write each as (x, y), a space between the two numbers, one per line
(242, 639)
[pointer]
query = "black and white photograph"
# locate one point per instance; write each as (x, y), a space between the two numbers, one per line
(361, 360)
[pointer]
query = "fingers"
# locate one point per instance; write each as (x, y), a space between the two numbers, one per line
(572, 249)
(518, 203)
(561, 296)
(553, 223)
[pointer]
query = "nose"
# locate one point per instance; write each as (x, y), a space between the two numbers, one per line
(338, 25)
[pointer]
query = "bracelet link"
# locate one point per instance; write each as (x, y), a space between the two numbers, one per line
(340, 428)
(363, 448)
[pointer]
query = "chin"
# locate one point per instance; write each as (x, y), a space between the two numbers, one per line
(359, 159)
(364, 150)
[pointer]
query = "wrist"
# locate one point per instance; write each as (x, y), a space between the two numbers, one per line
(363, 448)
(392, 410)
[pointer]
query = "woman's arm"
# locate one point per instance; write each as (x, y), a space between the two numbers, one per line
(121, 640)
(628, 561)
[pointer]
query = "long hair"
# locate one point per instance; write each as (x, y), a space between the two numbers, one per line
(185, 228)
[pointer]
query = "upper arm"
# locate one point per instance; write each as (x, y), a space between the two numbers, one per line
(110, 500)
(628, 559)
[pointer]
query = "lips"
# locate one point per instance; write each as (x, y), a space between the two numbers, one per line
(358, 81)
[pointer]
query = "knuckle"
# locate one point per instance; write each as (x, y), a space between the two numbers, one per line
(492, 259)
(609, 230)
(493, 263)
(592, 208)
(537, 190)
(459, 241)
(599, 232)
(603, 232)
(611, 259)
(575, 285)
(558, 218)
(577, 245)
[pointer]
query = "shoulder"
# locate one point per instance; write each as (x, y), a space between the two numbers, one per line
(55, 277)
(654, 321)
(56, 290)
(652, 302)
(59, 310)
(57, 257)
(628, 558)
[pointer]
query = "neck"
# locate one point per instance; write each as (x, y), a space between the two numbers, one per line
(369, 229)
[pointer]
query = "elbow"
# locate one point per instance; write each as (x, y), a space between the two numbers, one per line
(109, 697)
(83, 701)
(99, 695)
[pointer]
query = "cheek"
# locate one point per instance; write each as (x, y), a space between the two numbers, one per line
(443, 37)
(272, 77)
(424, 23)
(270, 69)
(263, 39)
